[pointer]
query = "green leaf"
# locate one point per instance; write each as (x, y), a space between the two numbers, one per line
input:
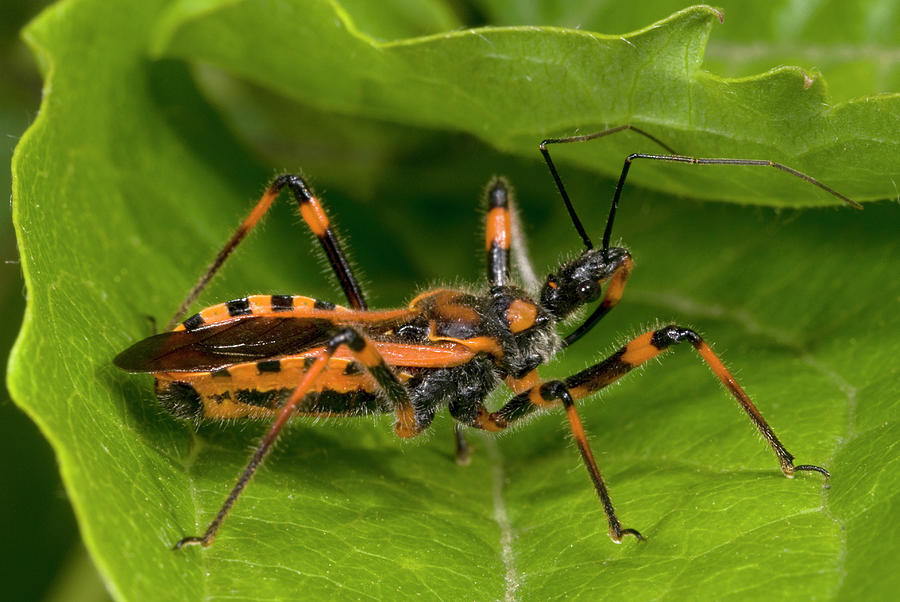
(855, 43)
(36, 520)
(129, 181)
(512, 86)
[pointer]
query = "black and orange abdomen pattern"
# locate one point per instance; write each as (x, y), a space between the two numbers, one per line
(260, 389)
(258, 305)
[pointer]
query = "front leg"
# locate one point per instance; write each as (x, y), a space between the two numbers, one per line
(598, 376)
(557, 390)
(646, 347)
(614, 291)
(547, 394)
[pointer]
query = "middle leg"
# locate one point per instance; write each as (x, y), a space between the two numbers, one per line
(364, 352)
(594, 378)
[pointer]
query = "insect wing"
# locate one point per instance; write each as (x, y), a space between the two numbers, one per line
(225, 343)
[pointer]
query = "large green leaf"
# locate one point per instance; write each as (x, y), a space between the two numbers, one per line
(35, 517)
(855, 43)
(513, 86)
(128, 181)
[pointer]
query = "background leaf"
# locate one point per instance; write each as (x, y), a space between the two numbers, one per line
(855, 43)
(477, 82)
(129, 180)
(36, 519)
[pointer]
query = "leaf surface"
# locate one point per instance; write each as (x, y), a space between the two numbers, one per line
(129, 181)
(855, 43)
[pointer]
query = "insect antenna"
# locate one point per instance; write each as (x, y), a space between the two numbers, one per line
(565, 196)
(672, 157)
(562, 189)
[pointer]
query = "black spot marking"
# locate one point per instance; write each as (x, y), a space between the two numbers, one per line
(263, 399)
(282, 303)
(356, 402)
(221, 397)
(308, 362)
(179, 398)
(238, 307)
(195, 321)
(268, 366)
(319, 304)
(220, 373)
(352, 368)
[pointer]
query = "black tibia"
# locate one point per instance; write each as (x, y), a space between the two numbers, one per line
(557, 391)
(366, 354)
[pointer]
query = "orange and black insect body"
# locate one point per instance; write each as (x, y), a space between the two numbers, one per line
(278, 356)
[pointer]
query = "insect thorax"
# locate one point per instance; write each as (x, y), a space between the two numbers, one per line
(506, 324)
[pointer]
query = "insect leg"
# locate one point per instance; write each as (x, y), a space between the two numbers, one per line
(635, 353)
(557, 390)
(643, 348)
(545, 152)
(504, 239)
(537, 394)
(498, 232)
(314, 216)
(651, 344)
(462, 446)
(366, 354)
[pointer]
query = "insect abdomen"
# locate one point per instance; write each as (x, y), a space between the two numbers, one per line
(260, 389)
(255, 305)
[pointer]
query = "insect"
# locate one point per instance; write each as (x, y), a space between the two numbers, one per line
(280, 355)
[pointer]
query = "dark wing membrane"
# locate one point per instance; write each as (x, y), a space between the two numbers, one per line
(222, 344)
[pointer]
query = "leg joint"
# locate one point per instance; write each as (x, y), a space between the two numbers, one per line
(556, 390)
(349, 337)
(672, 335)
(498, 192)
(296, 183)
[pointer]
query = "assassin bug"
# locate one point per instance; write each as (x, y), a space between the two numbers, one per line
(280, 355)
